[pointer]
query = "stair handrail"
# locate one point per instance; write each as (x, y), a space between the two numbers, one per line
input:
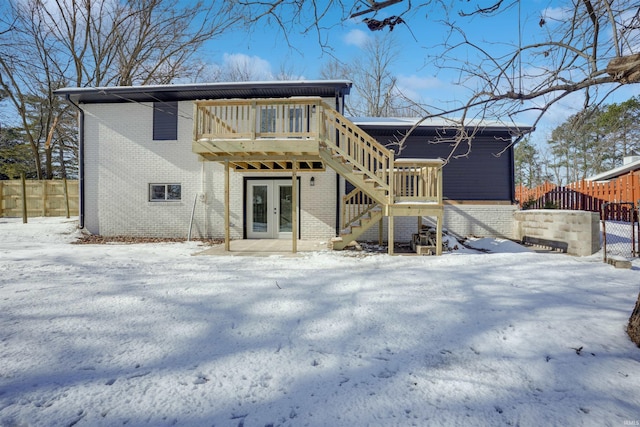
(360, 149)
(356, 205)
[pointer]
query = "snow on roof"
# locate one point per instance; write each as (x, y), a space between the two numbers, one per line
(615, 172)
(188, 86)
(435, 122)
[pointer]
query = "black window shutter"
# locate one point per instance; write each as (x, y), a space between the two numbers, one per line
(165, 121)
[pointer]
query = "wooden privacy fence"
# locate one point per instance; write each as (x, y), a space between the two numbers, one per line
(581, 195)
(43, 198)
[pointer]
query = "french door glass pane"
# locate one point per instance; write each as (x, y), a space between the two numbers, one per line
(285, 208)
(260, 208)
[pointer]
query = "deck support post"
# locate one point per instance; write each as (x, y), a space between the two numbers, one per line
(439, 218)
(227, 243)
(380, 231)
(439, 235)
(294, 207)
(419, 224)
(390, 238)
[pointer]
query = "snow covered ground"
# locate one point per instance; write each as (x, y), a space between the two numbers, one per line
(147, 334)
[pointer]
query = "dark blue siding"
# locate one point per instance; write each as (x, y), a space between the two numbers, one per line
(486, 173)
(165, 121)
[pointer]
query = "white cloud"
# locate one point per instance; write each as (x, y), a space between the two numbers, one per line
(245, 67)
(556, 13)
(356, 38)
(422, 89)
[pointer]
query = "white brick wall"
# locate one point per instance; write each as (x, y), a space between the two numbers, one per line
(480, 220)
(121, 160)
(461, 220)
(318, 205)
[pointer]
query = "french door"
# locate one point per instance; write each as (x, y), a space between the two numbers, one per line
(269, 203)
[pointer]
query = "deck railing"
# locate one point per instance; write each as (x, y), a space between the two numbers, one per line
(255, 119)
(418, 180)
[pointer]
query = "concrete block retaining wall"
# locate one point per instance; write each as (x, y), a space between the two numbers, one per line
(579, 230)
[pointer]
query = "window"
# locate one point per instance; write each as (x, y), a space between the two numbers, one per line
(267, 119)
(165, 121)
(165, 192)
(295, 119)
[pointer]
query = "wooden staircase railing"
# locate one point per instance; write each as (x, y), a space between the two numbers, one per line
(384, 186)
(357, 148)
(355, 206)
(307, 128)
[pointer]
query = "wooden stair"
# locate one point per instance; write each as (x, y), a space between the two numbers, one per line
(384, 186)
(357, 228)
(306, 134)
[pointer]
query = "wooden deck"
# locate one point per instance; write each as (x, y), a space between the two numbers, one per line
(259, 135)
(305, 134)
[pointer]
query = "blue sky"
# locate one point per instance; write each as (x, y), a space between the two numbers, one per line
(265, 49)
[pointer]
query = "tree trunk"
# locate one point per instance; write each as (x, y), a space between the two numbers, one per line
(633, 329)
(48, 171)
(625, 69)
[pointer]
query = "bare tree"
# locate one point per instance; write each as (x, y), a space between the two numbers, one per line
(590, 46)
(47, 45)
(28, 78)
(288, 71)
(375, 89)
(244, 68)
(375, 84)
(334, 70)
(591, 49)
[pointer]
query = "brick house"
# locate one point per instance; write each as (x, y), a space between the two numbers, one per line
(272, 160)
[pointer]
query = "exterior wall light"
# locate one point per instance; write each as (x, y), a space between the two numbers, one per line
(312, 181)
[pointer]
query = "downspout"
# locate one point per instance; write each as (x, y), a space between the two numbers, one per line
(338, 195)
(80, 161)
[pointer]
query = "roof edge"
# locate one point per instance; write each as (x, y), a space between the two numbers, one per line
(440, 123)
(343, 85)
(615, 172)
